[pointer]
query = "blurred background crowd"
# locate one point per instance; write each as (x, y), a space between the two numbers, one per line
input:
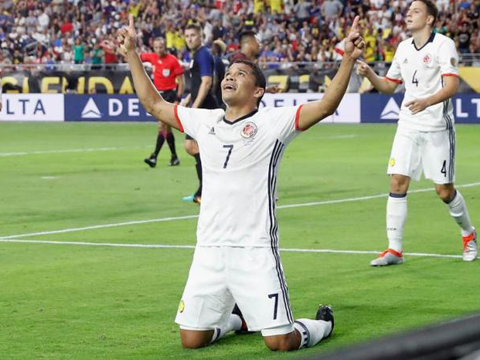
(83, 31)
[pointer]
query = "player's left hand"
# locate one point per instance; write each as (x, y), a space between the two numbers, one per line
(354, 43)
(127, 37)
(417, 105)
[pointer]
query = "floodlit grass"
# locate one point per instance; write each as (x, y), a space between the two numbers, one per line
(98, 302)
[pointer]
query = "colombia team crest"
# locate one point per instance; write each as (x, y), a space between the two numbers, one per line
(427, 59)
(249, 130)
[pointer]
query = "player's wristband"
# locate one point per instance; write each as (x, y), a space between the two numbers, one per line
(178, 98)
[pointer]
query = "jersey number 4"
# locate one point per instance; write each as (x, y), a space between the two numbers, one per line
(230, 148)
(414, 79)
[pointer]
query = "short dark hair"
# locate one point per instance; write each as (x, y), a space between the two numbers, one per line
(260, 80)
(246, 34)
(431, 9)
(195, 27)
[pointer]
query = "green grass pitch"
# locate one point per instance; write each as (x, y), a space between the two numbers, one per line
(63, 301)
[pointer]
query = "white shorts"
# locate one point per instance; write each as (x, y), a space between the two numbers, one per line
(433, 152)
(222, 276)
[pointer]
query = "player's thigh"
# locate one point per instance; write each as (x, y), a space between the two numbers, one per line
(405, 154)
(438, 156)
(206, 301)
(257, 282)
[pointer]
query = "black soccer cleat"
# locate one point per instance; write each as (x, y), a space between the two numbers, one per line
(244, 329)
(174, 161)
(151, 161)
(325, 313)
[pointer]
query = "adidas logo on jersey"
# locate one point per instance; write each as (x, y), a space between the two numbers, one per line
(212, 131)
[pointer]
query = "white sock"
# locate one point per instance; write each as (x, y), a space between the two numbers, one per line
(234, 323)
(459, 212)
(312, 331)
(396, 217)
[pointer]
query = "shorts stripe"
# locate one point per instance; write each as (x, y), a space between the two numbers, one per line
(451, 169)
(272, 186)
(451, 137)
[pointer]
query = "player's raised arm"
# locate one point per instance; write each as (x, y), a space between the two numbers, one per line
(313, 112)
(146, 92)
(382, 84)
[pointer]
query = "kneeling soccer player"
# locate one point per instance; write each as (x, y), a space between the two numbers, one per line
(237, 257)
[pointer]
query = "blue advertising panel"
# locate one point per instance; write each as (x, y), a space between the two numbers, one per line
(378, 108)
(105, 108)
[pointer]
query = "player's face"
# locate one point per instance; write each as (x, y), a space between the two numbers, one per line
(417, 16)
(159, 47)
(238, 85)
(193, 39)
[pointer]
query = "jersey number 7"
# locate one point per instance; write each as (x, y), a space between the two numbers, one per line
(230, 148)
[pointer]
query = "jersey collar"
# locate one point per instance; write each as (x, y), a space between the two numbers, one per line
(430, 39)
(240, 118)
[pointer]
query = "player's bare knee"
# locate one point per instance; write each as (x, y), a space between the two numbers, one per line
(445, 192)
(399, 184)
(191, 147)
(195, 339)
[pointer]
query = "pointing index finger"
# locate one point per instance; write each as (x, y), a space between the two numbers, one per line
(355, 24)
(131, 22)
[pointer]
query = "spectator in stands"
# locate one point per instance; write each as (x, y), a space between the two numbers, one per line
(97, 55)
(78, 52)
(22, 23)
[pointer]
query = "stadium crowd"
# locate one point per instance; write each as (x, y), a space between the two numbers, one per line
(83, 31)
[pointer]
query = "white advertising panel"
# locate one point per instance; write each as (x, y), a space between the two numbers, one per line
(32, 107)
(347, 112)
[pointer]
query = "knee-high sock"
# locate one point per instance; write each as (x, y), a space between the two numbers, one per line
(234, 323)
(396, 217)
(312, 331)
(459, 212)
(160, 141)
(171, 143)
(198, 166)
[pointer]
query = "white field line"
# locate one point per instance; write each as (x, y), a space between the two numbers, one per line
(138, 222)
(62, 151)
(67, 151)
(101, 226)
(159, 246)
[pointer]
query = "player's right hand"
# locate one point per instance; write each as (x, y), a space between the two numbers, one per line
(127, 37)
(362, 68)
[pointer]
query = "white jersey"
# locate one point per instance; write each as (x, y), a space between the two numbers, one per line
(240, 162)
(422, 70)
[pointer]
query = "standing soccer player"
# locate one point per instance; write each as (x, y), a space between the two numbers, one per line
(201, 93)
(237, 255)
(250, 49)
(168, 79)
(425, 138)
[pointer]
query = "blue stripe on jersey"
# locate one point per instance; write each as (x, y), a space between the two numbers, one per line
(272, 186)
